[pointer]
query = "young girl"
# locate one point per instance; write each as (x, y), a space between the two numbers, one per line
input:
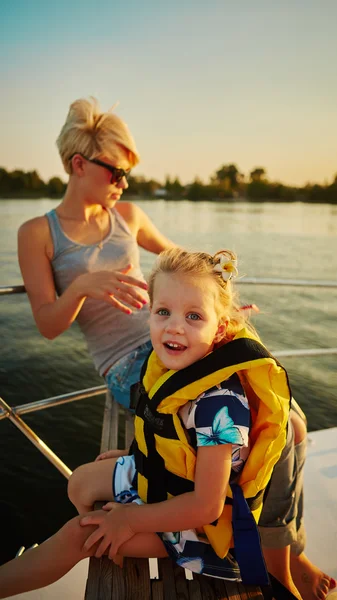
(196, 437)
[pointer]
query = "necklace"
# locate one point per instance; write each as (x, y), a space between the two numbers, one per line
(99, 244)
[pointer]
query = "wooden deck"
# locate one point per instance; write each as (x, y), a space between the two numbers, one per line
(162, 580)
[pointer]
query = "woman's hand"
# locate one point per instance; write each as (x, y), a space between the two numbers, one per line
(111, 454)
(114, 287)
(112, 528)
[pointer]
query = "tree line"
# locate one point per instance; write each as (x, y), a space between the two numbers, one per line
(227, 183)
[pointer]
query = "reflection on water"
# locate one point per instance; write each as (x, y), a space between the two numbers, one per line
(272, 240)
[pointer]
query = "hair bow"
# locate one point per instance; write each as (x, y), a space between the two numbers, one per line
(227, 267)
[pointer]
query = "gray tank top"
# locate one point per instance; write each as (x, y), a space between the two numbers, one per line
(110, 334)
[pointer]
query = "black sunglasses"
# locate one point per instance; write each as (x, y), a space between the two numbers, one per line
(117, 174)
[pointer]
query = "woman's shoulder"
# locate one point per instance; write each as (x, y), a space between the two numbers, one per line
(132, 215)
(129, 210)
(37, 226)
(38, 230)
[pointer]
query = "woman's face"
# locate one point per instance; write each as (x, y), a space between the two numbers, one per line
(97, 181)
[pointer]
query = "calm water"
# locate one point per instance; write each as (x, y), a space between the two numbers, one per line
(290, 241)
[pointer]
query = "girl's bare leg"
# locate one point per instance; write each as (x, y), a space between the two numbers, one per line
(91, 482)
(48, 562)
(143, 545)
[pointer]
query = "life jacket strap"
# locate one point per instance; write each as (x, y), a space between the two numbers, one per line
(247, 543)
(160, 480)
(254, 502)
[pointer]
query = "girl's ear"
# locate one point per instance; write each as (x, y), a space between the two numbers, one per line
(221, 331)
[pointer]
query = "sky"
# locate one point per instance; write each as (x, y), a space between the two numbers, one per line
(200, 84)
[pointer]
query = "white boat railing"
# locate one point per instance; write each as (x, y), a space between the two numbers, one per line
(289, 282)
(12, 289)
(13, 412)
(20, 289)
(23, 409)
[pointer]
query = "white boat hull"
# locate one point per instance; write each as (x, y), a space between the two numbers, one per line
(320, 499)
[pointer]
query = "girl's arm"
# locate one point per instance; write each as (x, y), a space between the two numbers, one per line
(187, 511)
(55, 315)
(193, 509)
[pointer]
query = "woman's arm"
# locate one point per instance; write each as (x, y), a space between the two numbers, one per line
(187, 511)
(146, 233)
(54, 315)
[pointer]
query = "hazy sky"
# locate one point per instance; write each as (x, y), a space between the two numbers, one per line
(200, 84)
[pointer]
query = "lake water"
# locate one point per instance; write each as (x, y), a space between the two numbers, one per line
(272, 240)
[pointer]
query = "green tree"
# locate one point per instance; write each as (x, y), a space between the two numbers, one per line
(195, 190)
(229, 176)
(198, 191)
(140, 186)
(174, 188)
(34, 181)
(258, 174)
(5, 181)
(55, 187)
(19, 181)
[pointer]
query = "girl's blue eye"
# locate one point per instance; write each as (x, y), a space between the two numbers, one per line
(193, 317)
(163, 312)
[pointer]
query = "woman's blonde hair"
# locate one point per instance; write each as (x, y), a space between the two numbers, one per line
(201, 264)
(93, 133)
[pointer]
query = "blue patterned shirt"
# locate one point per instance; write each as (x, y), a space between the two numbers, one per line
(220, 416)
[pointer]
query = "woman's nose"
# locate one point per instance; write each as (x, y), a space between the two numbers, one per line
(123, 183)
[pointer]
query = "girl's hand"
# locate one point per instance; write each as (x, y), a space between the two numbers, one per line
(114, 287)
(111, 454)
(112, 528)
(118, 560)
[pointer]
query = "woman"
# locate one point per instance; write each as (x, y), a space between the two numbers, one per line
(81, 260)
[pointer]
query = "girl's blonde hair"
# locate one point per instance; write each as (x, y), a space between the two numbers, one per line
(93, 133)
(201, 264)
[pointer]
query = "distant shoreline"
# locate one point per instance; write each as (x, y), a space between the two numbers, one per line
(227, 184)
(133, 197)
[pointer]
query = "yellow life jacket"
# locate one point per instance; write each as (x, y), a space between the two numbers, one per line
(165, 460)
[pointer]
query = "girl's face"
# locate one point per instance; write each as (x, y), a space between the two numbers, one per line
(184, 324)
(95, 180)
